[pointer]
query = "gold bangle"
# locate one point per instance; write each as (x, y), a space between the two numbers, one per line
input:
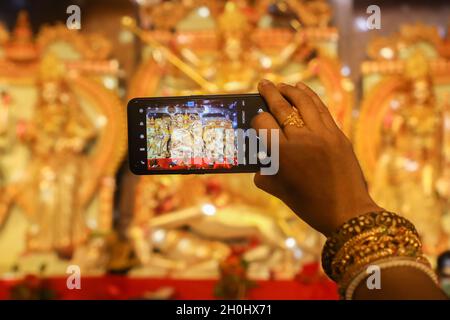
(367, 240)
(387, 221)
(405, 244)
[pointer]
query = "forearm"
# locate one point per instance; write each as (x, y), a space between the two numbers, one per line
(401, 283)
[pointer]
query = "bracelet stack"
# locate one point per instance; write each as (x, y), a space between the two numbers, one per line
(382, 238)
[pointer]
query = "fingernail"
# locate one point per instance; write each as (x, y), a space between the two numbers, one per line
(264, 82)
(282, 84)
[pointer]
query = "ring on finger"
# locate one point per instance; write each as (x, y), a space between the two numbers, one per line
(294, 119)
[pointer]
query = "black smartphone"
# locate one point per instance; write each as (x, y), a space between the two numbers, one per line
(193, 134)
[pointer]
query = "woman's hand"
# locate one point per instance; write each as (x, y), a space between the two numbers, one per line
(319, 177)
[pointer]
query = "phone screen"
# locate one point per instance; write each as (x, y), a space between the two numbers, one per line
(194, 134)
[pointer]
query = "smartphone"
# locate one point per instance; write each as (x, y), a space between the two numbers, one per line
(192, 134)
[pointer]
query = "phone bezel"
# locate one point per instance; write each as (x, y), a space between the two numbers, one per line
(134, 143)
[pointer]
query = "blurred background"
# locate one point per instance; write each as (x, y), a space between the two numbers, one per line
(69, 205)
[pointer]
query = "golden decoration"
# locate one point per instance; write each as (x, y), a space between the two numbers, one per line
(20, 46)
(86, 140)
(51, 68)
(397, 133)
(4, 34)
(228, 58)
(240, 57)
(89, 47)
(313, 13)
(390, 48)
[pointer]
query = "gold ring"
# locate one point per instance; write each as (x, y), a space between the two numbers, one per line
(294, 119)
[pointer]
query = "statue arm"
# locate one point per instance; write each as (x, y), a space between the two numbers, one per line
(6, 200)
(170, 56)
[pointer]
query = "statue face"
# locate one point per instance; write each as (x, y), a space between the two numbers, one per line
(233, 49)
(50, 92)
(421, 91)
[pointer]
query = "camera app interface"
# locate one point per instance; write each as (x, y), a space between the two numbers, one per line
(197, 134)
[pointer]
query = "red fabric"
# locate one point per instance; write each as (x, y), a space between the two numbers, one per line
(119, 287)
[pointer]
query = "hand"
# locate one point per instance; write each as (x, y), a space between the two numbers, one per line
(319, 177)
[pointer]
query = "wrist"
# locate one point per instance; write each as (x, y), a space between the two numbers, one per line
(349, 211)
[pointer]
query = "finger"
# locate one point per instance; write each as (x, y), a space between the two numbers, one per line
(304, 104)
(279, 107)
(268, 184)
(327, 118)
(265, 120)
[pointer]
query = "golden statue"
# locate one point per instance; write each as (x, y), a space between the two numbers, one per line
(236, 49)
(239, 64)
(214, 213)
(58, 183)
(410, 166)
(57, 136)
(401, 136)
(241, 44)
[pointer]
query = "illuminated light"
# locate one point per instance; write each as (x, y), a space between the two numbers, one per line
(411, 165)
(203, 12)
(266, 62)
(109, 82)
(125, 37)
(361, 24)
(290, 242)
(298, 253)
(209, 209)
(447, 123)
(158, 56)
(114, 64)
(387, 53)
(345, 71)
(182, 38)
(395, 104)
(184, 244)
(347, 85)
(158, 235)
(101, 121)
(147, 2)
(92, 223)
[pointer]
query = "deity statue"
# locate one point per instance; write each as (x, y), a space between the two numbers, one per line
(240, 63)
(243, 41)
(58, 119)
(186, 227)
(409, 165)
(5, 118)
(57, 136)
